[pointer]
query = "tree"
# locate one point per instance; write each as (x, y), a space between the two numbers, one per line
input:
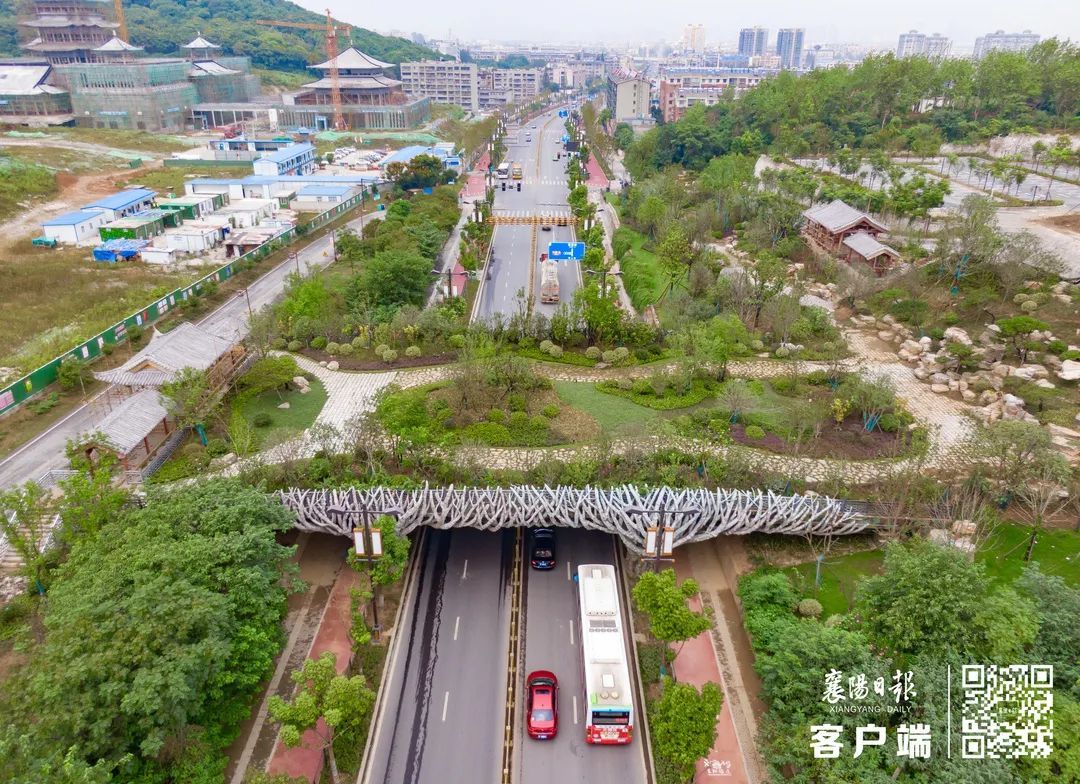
(871, 396)
(930, 600)
(736, 397)
(766, 279)
(676, 254)
(160, 629)
(1057, 605)
(92, 497)
(716, 341)
(1045, 493)
(190, 400)
(73, 372)
(663, 599)
(268, 373)
(1010, 448)
(393, 278)
(1017, 330)
(25, 521)
(683, 724)
(343, 704)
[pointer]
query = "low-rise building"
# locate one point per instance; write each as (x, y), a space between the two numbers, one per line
(293, 159)
(75, 228)
(27, 97)
(193, 207)
(317, 198)
(863, 247)
(246, 213)
(140, 226)
(126, 202)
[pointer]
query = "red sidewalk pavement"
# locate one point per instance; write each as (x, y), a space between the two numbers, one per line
(474, 186)
(597, 178)
(696, 664)
(306, 760)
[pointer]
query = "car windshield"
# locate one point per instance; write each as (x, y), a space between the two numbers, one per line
(542, 552)
(542, 715)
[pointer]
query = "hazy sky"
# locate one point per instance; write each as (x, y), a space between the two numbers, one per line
(616, 23)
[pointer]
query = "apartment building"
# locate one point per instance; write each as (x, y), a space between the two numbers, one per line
(789, 47)
(628, 96)
(916, 44)
(1001, 41)
(443, 81)
(753, 41)
(681, 88)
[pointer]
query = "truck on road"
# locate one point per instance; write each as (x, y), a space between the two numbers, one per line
(549, 280)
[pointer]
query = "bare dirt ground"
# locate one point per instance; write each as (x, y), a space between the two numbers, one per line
(1067, 222)
(74, 191)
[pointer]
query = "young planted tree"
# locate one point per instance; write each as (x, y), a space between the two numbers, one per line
(660, 596)
(683, 725)
(1017, 330)
(329, 705)
(190, 400)
(1050, 490)
(25, 516)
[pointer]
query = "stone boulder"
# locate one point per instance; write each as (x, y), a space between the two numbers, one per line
(332, 365)
(957, 335)
(1070, 370)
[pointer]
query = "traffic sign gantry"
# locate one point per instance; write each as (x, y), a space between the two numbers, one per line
(566, 251)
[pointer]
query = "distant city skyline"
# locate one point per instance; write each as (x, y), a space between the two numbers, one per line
(618, 24)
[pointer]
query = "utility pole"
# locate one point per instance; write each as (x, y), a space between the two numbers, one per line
(367, 542)
(660, 540)
(296, 259)
(247, 297)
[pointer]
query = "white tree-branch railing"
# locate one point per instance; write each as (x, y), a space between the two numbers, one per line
(488, 509)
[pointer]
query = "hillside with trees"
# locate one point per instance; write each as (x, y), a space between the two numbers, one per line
(875, 106)
(162, 26)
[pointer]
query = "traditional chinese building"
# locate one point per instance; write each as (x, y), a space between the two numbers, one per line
(863, 247)
(829, 224)
(68, 31)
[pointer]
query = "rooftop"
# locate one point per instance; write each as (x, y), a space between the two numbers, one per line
(837, 216)
(324, 190)
(125, 198)
(25, 80)
(353, 59)
(288, 153)
(131, 421)
(867, 246)
(355, 82)
(199, 43)
(188, 345)
(72, 218)
(114, 44)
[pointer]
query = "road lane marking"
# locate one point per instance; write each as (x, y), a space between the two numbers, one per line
(568, 570)
(575, 709)
(445, 702)
(571, 632)
(465, 571)
(456, 622)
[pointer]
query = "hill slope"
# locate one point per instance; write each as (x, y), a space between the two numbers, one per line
(163, 25)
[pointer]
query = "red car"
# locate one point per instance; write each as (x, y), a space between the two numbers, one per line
(542, 706)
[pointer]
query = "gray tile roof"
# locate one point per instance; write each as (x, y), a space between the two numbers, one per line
(130, 422)
(866, 246)
(188, 345)
(836, 216)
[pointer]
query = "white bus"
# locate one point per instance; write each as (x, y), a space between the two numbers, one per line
(503, 171)
(609, 701)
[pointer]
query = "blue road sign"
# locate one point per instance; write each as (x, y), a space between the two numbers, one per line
(564, 113)
(565, 138)
(566, 251)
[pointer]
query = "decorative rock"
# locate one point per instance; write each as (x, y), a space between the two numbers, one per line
(1036, 370)
(322, 363)
(332, 365)
(993, 353)
(939, 378)
(1070, 370)
(300, 381)
(987, 397)
(305, 390)
(1000, 369)
(886, 336)
(941, 389)
(284, 405)
(967, 395)
(912, 347)
(957, 335)
(1042, 382)
(218, 463)
(921, 373)
(963, 528)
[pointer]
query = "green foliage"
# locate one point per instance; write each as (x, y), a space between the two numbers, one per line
(754, 432)
(930, 600)
(343, 703)
(268, 373)
(390, 566)
(682, 723)
(663, 599)
(167, 620)
(189, 397)
(668, 399)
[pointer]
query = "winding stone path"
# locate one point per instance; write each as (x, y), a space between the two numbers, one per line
(351, 395)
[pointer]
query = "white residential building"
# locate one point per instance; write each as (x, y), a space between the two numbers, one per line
(1001, 41)
(443, 81)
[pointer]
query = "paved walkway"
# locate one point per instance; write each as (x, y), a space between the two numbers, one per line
(697, 664)
(350, 395)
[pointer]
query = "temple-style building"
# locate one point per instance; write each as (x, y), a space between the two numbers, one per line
(68, 31)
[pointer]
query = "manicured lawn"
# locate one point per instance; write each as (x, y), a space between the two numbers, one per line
(642, 276)
(839, 575)
(615, 415)
(284, 422)
(1057, 552)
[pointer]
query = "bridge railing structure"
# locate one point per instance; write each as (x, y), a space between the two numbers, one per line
(711, 512)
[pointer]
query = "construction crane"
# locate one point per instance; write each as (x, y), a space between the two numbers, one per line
(121, 33)
(331, 29)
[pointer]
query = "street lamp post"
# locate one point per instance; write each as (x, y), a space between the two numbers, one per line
(603, 278)
(368, 543)
(659, 541)
(449, 281)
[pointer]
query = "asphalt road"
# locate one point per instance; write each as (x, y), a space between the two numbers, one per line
(552, 642)
(229, 320)
(543, 189)
(442, 720)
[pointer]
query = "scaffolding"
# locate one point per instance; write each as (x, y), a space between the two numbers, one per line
(145, 94)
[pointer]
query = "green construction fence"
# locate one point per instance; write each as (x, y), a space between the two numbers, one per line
(35, 381)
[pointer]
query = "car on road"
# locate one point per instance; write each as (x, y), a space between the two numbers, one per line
(545, 227)
(543, 541)
(542, 705)
(555, 157)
